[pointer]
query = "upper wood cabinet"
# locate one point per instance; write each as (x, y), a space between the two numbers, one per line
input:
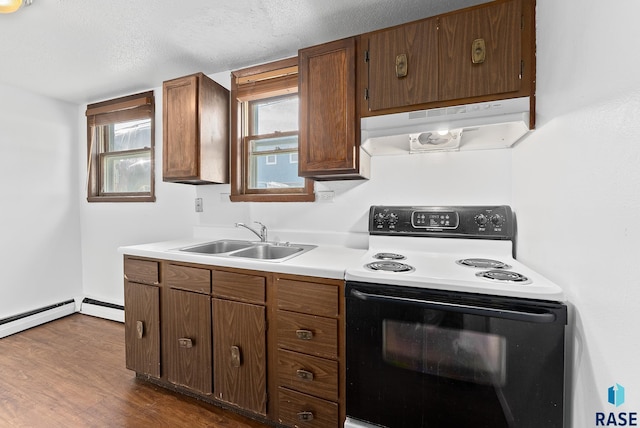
(403, 65)
(329, 139)
(482, 53)
(195, 131)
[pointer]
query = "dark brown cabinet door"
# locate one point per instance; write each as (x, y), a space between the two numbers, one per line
(239, 354)
(490, 34)
(195, 130)
(403, 65)
(329, 138)
(188, 340)
(142, 328)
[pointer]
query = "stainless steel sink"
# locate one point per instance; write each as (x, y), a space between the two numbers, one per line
(269, 251)
(219, 247)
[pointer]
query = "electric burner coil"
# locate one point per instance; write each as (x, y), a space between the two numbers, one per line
(483, 263)
(389, 266)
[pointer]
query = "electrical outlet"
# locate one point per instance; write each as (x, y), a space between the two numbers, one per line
(325, 196)
(199, 205)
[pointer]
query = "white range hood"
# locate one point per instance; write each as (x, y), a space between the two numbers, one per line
(488, 125)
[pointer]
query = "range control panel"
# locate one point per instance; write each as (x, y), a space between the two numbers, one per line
(489, 222)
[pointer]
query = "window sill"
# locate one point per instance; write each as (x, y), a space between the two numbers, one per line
(121, 199)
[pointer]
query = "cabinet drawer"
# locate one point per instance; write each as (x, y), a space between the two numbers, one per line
(311, 375)
(142, 271)
(308, 297)
(189, 278)
(301, 410)
(308, 333)
(246, 288)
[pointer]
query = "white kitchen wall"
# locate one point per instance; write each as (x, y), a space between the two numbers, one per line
(576, 183)
(106, 226)
(39, 212)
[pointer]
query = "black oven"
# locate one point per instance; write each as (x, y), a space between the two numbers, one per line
(418, 357)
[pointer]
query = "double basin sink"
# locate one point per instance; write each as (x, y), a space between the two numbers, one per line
(270, 251)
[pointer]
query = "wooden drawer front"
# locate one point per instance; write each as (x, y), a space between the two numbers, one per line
(311, 375)
(189, 278)
(308, 297)
(142, 271)
(301, 410)
(246, 288)
(322, 334)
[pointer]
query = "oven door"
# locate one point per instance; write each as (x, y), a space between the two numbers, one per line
(426, 358)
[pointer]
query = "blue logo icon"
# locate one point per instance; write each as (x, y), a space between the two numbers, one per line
(616, 395)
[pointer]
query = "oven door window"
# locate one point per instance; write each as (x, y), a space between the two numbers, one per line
(465, 355)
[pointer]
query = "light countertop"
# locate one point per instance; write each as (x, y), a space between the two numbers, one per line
(325, 261)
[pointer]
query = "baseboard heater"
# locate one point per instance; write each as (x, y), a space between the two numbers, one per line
(26, 320)
(100, 309)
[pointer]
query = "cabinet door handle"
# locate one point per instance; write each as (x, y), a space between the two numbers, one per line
(402, 66)
(304, 334)
(478, 51)
(185, 342)
(305, 416)
(236, 356)
(140, 329)
(304, 374)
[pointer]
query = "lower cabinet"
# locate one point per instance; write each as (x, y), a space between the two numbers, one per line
(310, 352)
(188, 340)
(269, 345)
(142, 328)
(187, 319)
(240, 369)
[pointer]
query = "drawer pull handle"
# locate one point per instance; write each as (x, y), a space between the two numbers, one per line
(305, 416)
(236, 357)
(140, 329)
(304, 375)
(304, 334)
(185, 342)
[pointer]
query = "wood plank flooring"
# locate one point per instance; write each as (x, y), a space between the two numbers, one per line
(71, 373)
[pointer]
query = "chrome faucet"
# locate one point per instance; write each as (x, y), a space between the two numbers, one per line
(263, 230)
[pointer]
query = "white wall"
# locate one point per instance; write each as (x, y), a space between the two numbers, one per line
(39, 213)
(577, 189)
(105, 226)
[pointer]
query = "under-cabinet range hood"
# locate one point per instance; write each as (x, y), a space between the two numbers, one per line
(487, 125)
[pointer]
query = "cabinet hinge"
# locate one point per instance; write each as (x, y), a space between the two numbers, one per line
(521, 68)
(366, 93)
(522, 22)
(366, 56)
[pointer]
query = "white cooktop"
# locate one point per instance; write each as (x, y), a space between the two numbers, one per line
(434, 260)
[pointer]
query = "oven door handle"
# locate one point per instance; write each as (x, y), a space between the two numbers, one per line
(542, 318)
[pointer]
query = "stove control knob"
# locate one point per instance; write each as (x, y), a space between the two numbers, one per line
(380, 218)
(496, 220)
(393, 219)
(481, 219)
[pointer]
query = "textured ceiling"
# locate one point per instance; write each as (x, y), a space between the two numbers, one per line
(88, 50)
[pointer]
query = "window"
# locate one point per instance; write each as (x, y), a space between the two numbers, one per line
(120, 141)
(265, 135)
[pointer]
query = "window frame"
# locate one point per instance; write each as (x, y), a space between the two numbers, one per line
(118, 110)
(250, 84)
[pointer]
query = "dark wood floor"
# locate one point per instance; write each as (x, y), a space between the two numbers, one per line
(71, 373)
